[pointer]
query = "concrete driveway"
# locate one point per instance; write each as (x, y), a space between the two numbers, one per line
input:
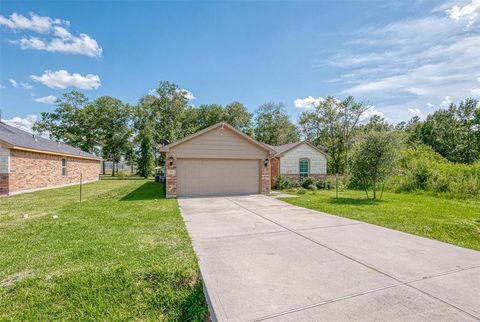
(265, 260)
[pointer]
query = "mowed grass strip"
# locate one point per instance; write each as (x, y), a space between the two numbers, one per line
(122, 254)
(450, 220)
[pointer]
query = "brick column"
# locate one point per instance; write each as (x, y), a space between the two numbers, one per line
(171, 178)
(275, 169)
(266, 173)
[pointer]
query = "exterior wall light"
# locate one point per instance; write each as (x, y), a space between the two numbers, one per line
(170, 159)
(266, 162)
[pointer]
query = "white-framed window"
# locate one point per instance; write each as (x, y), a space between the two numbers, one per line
(304, 168)
(64, 167)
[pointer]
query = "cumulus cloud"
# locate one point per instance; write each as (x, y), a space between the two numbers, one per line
(415, 111)
(397, 66)
(307, 103)
(446, 102)
(370, 112)
(50, 99)
(20, 84)
(475, 91)
(35, 23)
(57, 37)
(25, 124)
(63, 79)
(469, 12)
(188, 95)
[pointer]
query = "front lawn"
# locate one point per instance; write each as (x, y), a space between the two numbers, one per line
(452, 221)
(121, 254)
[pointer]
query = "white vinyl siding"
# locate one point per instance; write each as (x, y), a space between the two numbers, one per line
(4, 160)
(290, 161)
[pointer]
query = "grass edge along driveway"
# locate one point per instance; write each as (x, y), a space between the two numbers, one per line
(453, 221)
(122, 254)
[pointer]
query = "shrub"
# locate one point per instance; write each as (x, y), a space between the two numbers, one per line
(283, 183)
(308, 181)
(423, 169)
(312, 187)
(301, 191)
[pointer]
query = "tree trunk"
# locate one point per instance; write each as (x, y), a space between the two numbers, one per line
(103, 167)
(383, 188)
(374, 190)
(113, 168)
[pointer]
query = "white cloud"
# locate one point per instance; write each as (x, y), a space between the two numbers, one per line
(469, 12)
(307, 103)
(34, 23)
(13, 82)
(63, 79)
(446, 102)
(82, 45)
(20, 84)
(59, 39)
(50, 99)
(370, 112)
(395, 65)
(415, 111)
(188, 95)
(25, 124)
(475, 91)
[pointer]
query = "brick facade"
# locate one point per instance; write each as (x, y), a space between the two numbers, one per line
(266, 184)
(296, 177)
(275, 170)
(171, 177)
(32, 171)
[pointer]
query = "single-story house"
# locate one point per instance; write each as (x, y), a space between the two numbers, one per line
(221, 160)
(29, 162)
(299, 160)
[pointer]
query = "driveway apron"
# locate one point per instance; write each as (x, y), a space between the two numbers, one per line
(262, 259)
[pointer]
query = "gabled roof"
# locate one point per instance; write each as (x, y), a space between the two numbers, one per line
(166, 148)
(282, 149)
(15, 138)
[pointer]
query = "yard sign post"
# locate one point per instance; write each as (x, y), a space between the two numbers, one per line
(81, 177)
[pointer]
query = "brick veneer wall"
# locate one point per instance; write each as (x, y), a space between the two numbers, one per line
(31, 170)
(171, 178)
(275, 169)
(296, 177)
(266, 184)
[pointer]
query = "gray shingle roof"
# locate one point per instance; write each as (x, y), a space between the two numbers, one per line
(285, 147)
(16, 137)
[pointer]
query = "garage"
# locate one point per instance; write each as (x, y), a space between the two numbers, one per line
(219, 160)
(214, 177)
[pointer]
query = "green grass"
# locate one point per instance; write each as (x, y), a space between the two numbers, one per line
(122, 254)
(449, 220)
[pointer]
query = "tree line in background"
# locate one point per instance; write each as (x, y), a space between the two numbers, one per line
(368, 152)
(114, 130)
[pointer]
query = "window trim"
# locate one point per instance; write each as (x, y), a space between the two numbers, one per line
(299, 168)
(64, 167)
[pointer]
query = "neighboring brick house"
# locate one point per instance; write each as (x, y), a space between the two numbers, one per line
(29, 162)
(299, 160)
(221, 160)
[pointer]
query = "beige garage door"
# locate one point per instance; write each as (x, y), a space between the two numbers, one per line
(216, 177)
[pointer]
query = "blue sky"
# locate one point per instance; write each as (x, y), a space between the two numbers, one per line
(402, 58)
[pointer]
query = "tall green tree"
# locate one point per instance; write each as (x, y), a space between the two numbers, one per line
(113, 120)
(146, 160)
(237, 115)
(273, 126)
(372, 160)
(73, 121)
(332, 124)
(453, 132)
